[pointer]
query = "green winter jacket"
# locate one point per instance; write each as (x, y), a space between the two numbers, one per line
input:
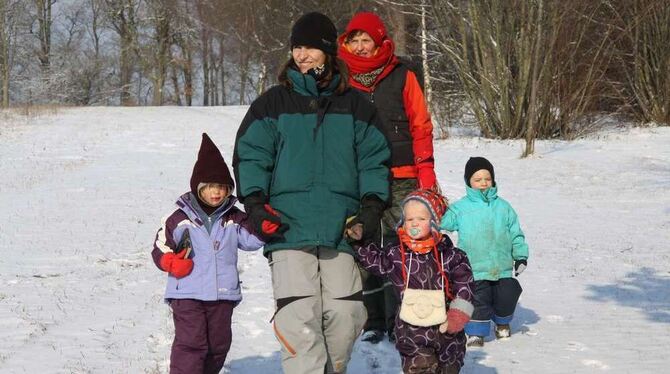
(488, 231)
(315, 154)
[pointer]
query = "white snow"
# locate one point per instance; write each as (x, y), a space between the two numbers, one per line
(82, 192)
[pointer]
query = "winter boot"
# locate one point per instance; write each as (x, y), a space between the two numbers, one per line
(475, 341)
(503, 331)
(420, 364)
(373, 336)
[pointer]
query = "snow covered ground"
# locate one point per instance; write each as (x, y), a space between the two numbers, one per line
(82, 192)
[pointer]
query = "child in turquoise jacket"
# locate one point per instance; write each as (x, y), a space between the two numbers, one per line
(489, 233)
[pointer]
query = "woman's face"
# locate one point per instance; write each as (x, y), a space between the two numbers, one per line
(307, 58)
(361, 44)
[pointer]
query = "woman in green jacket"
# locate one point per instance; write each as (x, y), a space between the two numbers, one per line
(308, 155)
(489, 233)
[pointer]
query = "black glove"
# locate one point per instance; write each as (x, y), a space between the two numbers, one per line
(519, 267)
(263, 218)
(369, 216)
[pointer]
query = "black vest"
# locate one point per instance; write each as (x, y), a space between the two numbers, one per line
(387, 97)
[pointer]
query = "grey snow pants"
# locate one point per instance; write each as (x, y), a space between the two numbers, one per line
(319, 308)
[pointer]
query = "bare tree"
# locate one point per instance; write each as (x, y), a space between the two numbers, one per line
(43, 33)
(122, 16)
(643, 57)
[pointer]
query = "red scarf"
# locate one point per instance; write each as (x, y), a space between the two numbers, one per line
(423, 246)
(385, 56)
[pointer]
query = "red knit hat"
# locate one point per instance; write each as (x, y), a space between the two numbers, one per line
(436, 203)
(370, 23)
(210, 166)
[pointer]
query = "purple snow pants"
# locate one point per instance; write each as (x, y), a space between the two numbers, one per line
(202, 335)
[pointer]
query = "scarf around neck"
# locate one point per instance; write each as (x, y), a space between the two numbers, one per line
(365, 72)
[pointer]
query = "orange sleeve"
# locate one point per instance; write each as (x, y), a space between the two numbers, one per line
(421, 128)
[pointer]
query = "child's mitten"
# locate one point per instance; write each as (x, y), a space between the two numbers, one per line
(456, 320)
(176, 264)
(519, 267)
(264, 218)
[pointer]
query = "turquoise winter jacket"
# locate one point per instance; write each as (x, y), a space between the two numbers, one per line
(488, 231)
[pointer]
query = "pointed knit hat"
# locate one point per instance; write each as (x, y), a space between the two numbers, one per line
(210, 166)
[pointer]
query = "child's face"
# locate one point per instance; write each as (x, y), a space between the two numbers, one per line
(481, 180)
(417, 220)
(214, 193)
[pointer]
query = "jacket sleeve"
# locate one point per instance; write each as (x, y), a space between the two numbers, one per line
(461, 282)
(373, 155)
(519, 246)
(255, 150)
(449, 220)
(247, 239)
(164, 241)
(421, 128)
(375, 260)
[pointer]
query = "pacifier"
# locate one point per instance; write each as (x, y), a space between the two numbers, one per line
(414, 231)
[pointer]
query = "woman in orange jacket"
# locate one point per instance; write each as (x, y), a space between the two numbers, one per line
(377, 72)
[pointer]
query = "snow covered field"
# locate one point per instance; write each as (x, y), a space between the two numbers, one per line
(82, 192)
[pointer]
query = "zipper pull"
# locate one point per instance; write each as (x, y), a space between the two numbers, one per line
(396, 129)
(372, 96)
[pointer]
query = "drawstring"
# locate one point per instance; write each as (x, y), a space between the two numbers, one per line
(445, 282)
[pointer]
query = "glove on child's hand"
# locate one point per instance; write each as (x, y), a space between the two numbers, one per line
(264, 218)
(456, 321)
(367, 220)
(176, 264)
(519, 267)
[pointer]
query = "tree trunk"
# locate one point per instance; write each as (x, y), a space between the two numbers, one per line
(244, 71)
(126, 66)
(204, 39)
(188, 77)
(162, 58)
(223, 71)
(175, 84)
(428, 88)
(44, 32)
(4, 56)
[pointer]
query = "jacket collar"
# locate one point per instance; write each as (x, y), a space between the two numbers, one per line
(189, 205)
(485, 196)
(305, 84)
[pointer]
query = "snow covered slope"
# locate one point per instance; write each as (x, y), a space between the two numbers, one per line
(82, 192)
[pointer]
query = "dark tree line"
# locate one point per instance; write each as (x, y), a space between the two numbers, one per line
(520, 68)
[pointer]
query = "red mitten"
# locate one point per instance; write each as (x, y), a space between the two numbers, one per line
(270, 227)
(426, 176)
(456, 320)
(176, 264)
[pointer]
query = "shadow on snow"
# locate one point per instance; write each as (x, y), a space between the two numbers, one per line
(645, 289)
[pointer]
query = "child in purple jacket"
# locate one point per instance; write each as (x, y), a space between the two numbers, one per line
(434, 281)
(203, 284)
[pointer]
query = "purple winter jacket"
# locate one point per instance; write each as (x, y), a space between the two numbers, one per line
(411, 340)
(423, 274)
(214, 275)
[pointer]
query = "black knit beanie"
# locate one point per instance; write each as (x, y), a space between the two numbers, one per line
(475, 164)
(315, 30)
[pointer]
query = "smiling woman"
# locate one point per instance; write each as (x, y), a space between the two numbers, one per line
(309, 155)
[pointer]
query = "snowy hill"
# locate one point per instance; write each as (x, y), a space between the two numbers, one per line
(82, 192)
